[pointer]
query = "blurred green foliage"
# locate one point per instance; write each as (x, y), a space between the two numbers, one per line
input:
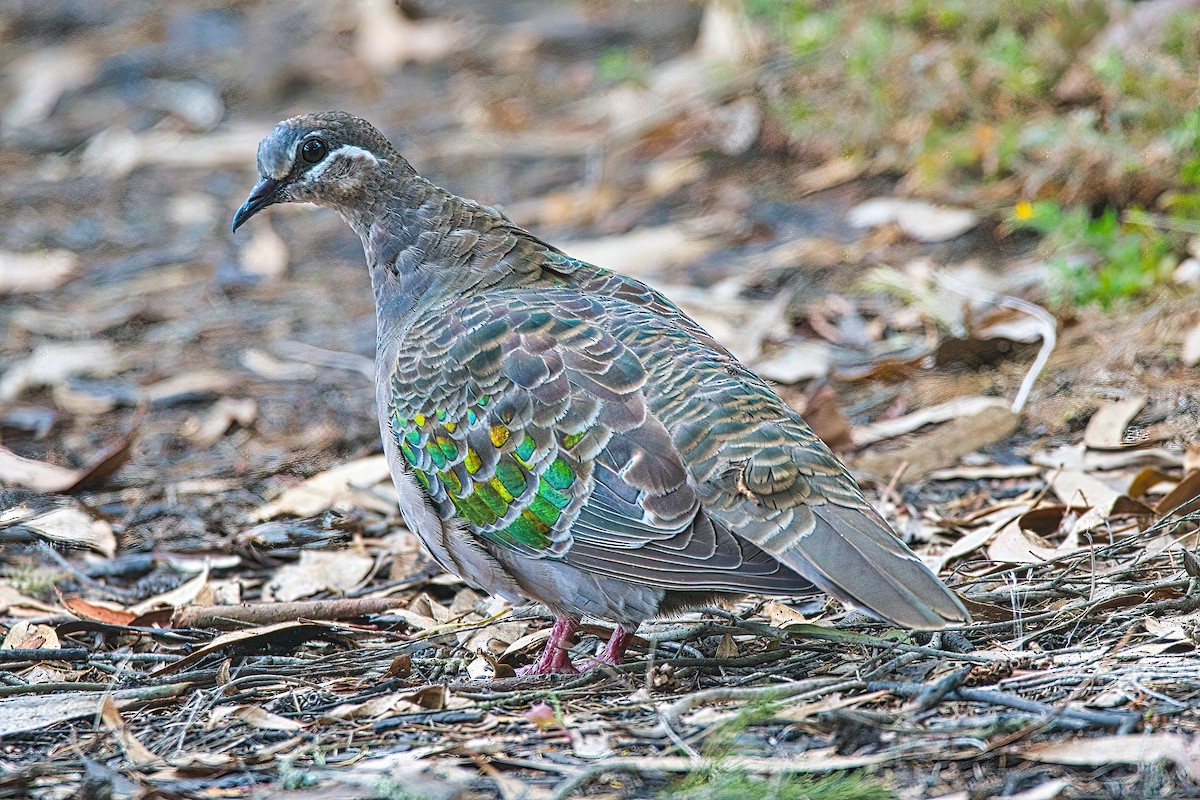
(996, 103)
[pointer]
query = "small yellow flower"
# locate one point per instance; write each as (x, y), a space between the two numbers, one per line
(1023, 210)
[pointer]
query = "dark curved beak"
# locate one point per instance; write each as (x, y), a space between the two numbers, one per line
(265, 193)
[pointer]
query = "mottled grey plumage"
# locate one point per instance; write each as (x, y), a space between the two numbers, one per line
(564, 433)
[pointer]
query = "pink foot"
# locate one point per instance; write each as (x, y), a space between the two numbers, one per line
(614, 651)
(555, 658)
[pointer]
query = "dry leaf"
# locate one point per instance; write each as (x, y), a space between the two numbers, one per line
(65, 524)
(266, 254)
(255, 717)
(35, 272)
(342, 484)
(727, 647)
(51, 364)
(318, 571)
(227, 412)
(385, 37)
(952, 409)
(30, 636)
(642, 251)
(943, 446)
(796, 361)
(17, 470)
(1184, 498)
(1043, 791)
(108, 613)
(15, 604)
(922, 221)
(270, 368)
(185, 594)
(1106, 429)
(781, 615)
(1191, 347)
(135, 751)
(977, 538)
(252, 640)
(28, 713)
(1150, 748)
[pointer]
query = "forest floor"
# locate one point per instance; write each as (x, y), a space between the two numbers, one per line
(187, 426)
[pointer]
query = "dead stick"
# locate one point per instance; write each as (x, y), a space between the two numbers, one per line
(228, 617)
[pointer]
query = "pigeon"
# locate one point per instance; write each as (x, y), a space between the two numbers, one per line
(563, 433)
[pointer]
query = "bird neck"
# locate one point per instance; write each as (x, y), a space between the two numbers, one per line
(426, 247)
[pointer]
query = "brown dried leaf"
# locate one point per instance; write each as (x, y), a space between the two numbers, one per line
(1106, 429)
(30, 636)
(952, 409)
(727, 647)
(99, 613)
(1184, 498)
(17, 470)
(781, 615)
(134, 750)
(943, 446)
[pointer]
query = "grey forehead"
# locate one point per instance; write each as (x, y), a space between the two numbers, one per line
(277, 152)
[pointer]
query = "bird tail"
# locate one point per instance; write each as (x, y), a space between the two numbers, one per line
(853, 555)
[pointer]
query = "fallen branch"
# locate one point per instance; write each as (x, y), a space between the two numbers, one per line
(232, 617)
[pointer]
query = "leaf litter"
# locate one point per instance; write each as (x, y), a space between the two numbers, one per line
(204, 571)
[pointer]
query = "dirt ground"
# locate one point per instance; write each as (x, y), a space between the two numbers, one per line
(187, 422)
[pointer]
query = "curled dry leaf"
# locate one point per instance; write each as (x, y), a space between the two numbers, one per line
(1106, 429)
(109, 613)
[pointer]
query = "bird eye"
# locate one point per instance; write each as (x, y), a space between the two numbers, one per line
(313, 151)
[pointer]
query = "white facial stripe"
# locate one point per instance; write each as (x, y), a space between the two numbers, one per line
(345, 151)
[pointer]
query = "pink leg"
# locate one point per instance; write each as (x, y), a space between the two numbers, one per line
(614, 652)
(555, 658)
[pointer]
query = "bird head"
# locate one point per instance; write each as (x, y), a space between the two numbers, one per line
(330, 158)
